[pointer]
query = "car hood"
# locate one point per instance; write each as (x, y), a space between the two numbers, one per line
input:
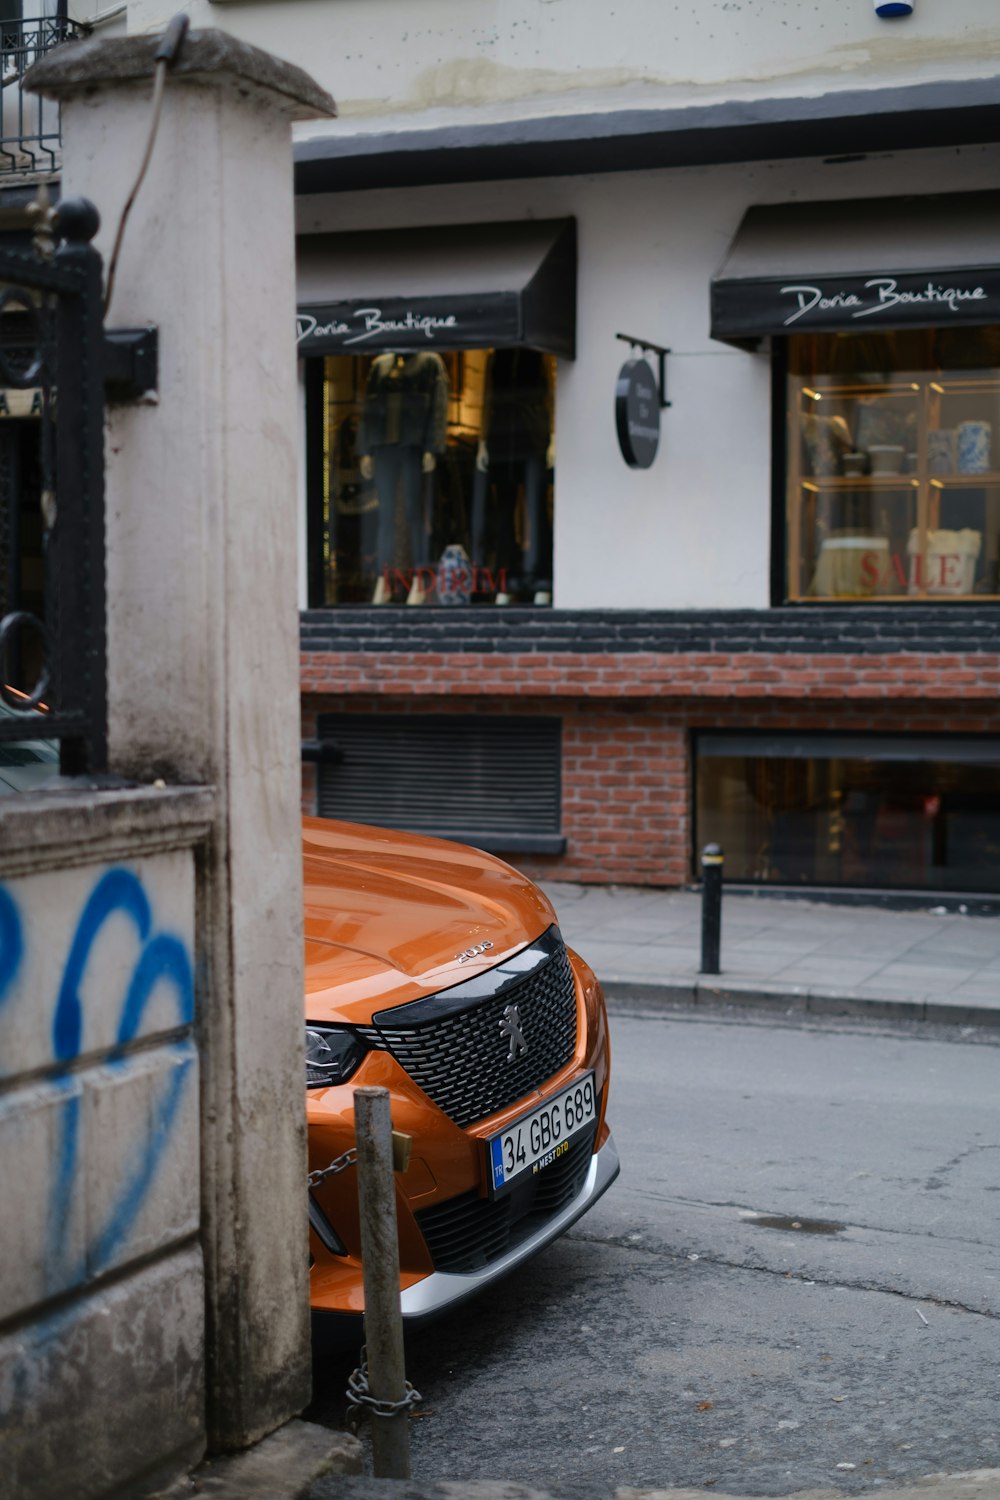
(388, 914)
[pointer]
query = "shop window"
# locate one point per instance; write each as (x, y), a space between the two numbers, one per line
(893, 466)
(432, 482)
(484, 780)
(852, 810)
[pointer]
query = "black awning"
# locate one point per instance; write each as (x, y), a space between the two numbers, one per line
(467, 286)
(875, 263)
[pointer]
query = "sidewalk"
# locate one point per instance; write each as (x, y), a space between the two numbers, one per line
(791, 953)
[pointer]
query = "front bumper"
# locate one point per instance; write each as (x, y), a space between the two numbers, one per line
(442, 1290)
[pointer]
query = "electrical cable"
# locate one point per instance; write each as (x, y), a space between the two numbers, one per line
(164, 56)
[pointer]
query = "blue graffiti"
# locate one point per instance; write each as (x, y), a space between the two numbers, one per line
(11, 943)
(118, 890)
(140, 1171)
(163, 959)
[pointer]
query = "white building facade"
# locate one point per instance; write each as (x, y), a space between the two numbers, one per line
(780, 635)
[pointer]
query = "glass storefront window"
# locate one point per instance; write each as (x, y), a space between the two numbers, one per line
(437, 478)
(893, 474)
(854, 811)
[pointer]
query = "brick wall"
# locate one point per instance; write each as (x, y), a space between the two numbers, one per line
(626, 790)
(902, 676)
(810, 630)
(629, 714)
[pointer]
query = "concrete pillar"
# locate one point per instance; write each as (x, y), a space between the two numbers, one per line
(203, 625)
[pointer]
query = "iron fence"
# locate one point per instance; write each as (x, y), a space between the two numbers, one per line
(29, 126)
(52, 570)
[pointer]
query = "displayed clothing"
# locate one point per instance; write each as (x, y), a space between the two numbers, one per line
(399, 468)
(406, 402)
(521, 564)
(516, 441)
(353, 518)
(517, 405)
(351, 493)
(404, 425)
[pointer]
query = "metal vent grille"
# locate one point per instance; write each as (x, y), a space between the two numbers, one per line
(470, 1232)
(442, 773)
(460, 1060)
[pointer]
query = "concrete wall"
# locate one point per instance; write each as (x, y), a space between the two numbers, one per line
(102, 1294)
(694, 530)
(202, 581)
(498, 59)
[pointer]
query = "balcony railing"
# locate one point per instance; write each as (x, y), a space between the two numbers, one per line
(29, 126)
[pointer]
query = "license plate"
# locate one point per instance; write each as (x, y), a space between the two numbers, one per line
(538, 1139)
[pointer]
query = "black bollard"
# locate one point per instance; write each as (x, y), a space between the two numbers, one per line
(711, 907)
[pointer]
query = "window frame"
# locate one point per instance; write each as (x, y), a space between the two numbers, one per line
(780, 568)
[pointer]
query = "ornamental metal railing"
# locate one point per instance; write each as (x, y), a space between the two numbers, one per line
(30, 128)
(52, 572)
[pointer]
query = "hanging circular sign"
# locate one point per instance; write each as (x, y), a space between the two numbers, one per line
(637, 413)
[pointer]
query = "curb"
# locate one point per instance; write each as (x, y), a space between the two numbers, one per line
(975, 1484)
(283, 1466)
(704, 993)
(979, 1484)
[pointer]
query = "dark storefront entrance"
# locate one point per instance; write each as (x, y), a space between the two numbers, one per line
(888, 812)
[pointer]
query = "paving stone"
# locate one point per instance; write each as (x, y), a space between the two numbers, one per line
(282, 1466)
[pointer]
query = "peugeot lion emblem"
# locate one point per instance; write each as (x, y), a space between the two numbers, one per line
(510, 1028)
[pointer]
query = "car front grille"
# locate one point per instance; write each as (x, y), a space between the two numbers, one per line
(468, 1232)
(456, 1046)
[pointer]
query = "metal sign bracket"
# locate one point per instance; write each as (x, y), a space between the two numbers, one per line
(661, 353)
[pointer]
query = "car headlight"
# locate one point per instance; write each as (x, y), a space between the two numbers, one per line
(332, 1054)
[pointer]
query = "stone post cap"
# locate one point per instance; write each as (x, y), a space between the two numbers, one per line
(81, 67)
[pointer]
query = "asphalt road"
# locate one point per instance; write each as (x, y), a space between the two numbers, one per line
(673, 1338)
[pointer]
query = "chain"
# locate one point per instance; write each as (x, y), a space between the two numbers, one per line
(339, 1164)
(361, 1402)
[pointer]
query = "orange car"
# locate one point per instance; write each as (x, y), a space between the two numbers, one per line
(438, 972)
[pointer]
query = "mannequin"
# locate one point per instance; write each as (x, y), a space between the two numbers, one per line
(403, 429)
(515, 451)
(354, 506)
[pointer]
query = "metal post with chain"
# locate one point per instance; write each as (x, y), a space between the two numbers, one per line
(383, 1151)
(380, 1266)
(362, 1403)
(339, 1164)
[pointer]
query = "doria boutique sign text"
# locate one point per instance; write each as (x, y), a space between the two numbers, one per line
(413, 323)
(879, 295)
(811, 304)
